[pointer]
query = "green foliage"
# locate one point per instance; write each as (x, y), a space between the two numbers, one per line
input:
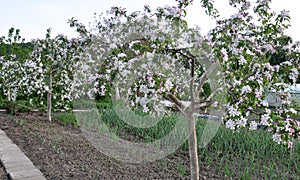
(67, 118)
(21, 50)
(14, 44)
(113, 121)
(23, 106)
(245, 154)
(255, 150)
(206, 90)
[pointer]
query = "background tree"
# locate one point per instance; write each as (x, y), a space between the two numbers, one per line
(11, 58)
(50, 70)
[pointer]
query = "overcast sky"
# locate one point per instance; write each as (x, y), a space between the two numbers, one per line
(33, 17)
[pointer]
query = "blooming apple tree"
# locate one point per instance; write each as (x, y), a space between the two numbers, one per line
(11, 72)
(150, 57)
(244, 44)
(49, 71)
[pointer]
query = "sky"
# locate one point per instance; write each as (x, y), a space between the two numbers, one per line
(34, 17)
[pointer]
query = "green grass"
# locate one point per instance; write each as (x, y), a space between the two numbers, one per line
(243, 155)
(246, 154)
(67, 118)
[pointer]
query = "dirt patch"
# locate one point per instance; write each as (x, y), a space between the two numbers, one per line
(3, 174)
(62, 152)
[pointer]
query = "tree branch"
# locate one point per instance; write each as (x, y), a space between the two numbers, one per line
(203, 105)
(213, 94)
(203, 79)
(175, 100)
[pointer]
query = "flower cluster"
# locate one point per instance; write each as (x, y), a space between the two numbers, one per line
(245, 47)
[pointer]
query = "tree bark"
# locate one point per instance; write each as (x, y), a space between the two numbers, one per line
(8, 95)
(194, 165)
(117, 93)
(49, 98)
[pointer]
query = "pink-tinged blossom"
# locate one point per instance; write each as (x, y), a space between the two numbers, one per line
(145, 109)
(290, 144)
(276, 68)
(246, 89)
(242, 122)
(268, 75)
(160, 90)
(230, 124)
(253, 125)
(286, 102)
(291, 131)
(294, 75)
(143, 101)
(233, 112)
(293, 111)
(284, 14)
(122, 55)
(152, 84)
(264, 120)
(258, 93)
(225, 55)
(166, 66)
(242, 60)
(277, 138)
(288, 63)
(144, 89)
(268, 48)
(265, 103)
(239, 15)
(236, 82)
(269, 67)
(169, 85)
(103, 90)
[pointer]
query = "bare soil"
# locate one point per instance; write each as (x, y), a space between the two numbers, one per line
(3, 174)
(62, 152)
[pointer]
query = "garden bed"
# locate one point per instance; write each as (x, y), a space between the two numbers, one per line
(61, 151)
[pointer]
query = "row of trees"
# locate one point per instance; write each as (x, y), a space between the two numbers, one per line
(40, 71)
(147, 56)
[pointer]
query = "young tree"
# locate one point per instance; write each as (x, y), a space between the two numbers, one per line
(49, 71)
(11, 67)
(245, 43)
(151, 57)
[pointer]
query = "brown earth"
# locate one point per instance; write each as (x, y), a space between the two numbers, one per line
(62, 152)
(3, 174)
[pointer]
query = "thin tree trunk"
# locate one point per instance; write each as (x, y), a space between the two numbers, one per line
(49, 98)
(192, 128)
(117, 93)
(194, 165)
(9, 104)
(8, 95)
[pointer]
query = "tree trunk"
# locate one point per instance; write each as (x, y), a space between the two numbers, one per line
(194, 165)
(11, 106)
(8, 95)
(49, 97)
(117, 93)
